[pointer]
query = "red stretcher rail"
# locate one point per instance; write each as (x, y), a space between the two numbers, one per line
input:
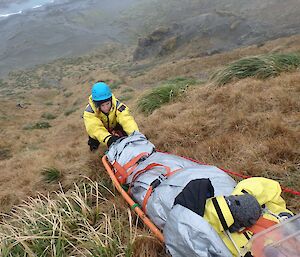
(284, 189)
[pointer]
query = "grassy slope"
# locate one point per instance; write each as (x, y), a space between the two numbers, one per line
(250, 126)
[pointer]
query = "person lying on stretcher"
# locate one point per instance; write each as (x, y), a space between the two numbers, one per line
(254, 205)
(200, 209)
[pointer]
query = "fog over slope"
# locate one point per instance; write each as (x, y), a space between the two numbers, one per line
(69, 28)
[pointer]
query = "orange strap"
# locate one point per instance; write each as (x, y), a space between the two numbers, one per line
(261, 224)
(134, 160)
(148, 194)
(150, 190)
(172, 172)
(150, 166)
(121, 172)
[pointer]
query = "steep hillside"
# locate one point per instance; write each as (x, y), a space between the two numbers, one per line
(206, 27)
(42, 108)
(249, 126)
(190, 28)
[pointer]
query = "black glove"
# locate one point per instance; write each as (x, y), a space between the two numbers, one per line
(93, 143)
(112, 139)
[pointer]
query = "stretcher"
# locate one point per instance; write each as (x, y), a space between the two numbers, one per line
(133, 205)
(136, 207)
(185, 202)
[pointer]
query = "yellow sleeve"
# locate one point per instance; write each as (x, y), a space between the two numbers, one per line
(125, 119)
(266, 191)
(95, 128)
(263, 189)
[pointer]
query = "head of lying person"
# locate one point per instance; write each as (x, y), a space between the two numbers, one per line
(245, 211)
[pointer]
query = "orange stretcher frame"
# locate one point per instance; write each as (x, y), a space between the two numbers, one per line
(134, 206)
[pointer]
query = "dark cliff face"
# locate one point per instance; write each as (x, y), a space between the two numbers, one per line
(158, 28)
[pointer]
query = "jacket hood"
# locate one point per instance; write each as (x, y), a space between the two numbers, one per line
(218, 213)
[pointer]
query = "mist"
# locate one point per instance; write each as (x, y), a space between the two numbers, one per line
(71, 28)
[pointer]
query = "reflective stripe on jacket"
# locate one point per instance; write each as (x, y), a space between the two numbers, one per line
(98, 124)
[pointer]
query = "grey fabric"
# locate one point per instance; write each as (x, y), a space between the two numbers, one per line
(126, 149)
(161, 201)
(245, 210)
(89, 109)
(188, 234)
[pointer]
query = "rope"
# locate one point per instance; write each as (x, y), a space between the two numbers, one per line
(284, 189)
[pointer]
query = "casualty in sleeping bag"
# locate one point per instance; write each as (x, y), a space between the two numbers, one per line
(201, 210)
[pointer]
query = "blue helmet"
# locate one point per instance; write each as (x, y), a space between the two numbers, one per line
(101, 91)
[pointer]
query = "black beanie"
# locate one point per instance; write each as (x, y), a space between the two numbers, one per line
(245, 210)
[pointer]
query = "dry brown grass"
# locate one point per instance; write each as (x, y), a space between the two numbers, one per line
(202, 67)
(63, 146)
(251, 127)
(85, 221)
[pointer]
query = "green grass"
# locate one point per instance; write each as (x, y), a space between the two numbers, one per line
(81, 222)
(70, 111)
(48, 116)
(114, 84)
(48, 103)
(164, 93)
(38, 125)
(125, 97)
(127, 90)
(68, 94)
(260, 67)
(51, 175)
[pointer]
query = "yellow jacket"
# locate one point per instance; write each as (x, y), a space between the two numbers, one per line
(266, 191)
(98, 124)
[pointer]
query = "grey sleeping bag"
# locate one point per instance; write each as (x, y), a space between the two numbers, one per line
(183, 229)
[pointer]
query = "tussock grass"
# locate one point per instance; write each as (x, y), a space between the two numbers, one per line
(48, 103)
(260, 67)
(250, 127)
(127, 90)
(70, 111)
(125, 97)
(68, 94)
(48, 116)
(51, 175)
(38, 125)
(81, 222)
(163, 94)
(114, 84)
